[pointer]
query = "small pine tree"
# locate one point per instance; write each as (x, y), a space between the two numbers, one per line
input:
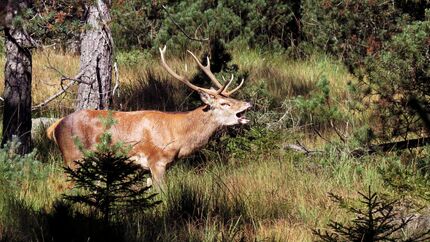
(376, 222)
(108, 180)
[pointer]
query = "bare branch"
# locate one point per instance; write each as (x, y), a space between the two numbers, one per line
(50, 99)
(182, 30)
(337, 132)
(76, 79)
(320, 135)
(302, 149)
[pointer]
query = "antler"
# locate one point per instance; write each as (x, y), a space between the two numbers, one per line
(181, 78)
(222, 89)
(206, 69)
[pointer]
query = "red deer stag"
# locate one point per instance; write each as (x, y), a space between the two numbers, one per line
(156, 138)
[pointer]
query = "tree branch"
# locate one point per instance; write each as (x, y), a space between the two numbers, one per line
(50, 99)
(302, 149)
(182, 30)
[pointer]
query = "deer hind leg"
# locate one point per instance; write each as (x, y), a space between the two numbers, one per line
(69, 158)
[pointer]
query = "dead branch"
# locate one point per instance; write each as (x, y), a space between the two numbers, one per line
(320, 135)
(337, 132)
(302, 149)
(73, 80)
(50, 99)
(392, 146)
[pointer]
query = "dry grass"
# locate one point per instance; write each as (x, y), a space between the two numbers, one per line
(287, 78)
(284, 77)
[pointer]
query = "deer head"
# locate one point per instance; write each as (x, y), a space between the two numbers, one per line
(226, 110)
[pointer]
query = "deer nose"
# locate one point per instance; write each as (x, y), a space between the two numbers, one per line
(249, 105)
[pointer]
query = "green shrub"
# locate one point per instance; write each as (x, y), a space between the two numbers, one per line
(140, 26)
(385, 45)
(352, 29)
(412, 178)
(261, 24)
(16, 168)
(108, 180)
(132, 58)
(376, 220)
(320, 107)
(110, 183)
(398, 74)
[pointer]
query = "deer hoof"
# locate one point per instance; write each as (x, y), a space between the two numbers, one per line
(148, 182)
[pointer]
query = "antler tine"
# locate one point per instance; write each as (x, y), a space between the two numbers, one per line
(226, 85)
(178, 77)
(206, 69)
(237, 88)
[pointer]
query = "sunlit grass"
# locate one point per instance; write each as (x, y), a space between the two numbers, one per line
(269, 194)
(288, 77)
(284, 77)
(277, 195)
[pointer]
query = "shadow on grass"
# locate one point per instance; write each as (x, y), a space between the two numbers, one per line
(150, 92)
(190, 213)
(62, 223)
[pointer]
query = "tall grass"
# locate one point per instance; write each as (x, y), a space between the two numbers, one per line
(272, 195)
(263, 192)
(283, 76)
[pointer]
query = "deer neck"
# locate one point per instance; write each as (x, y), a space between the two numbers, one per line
(199, 125)
(202, 123)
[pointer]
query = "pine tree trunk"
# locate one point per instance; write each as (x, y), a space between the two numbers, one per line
(17, 89)
(94, 91)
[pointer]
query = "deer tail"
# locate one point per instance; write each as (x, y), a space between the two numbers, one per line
(50, 132)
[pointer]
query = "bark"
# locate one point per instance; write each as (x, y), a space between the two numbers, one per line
(17, 89)
(95, 89)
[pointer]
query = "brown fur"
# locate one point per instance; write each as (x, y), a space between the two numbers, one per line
(156, 138)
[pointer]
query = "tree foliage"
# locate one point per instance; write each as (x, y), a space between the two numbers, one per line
(385, 45)
(147, 24)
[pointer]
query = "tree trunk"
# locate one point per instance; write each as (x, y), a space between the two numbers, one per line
(17, 90)
(95, 89)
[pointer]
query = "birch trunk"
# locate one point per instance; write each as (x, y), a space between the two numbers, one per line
(94, 91)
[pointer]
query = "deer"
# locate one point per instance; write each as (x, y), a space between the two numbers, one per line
(157, 138)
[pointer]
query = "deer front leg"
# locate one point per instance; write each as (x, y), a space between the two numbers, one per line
(158, 169)
(142, 160)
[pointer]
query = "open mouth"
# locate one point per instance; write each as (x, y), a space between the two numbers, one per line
(241, 117)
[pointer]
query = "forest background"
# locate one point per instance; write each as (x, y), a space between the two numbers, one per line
(341, 96)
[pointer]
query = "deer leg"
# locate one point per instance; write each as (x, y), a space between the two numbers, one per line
(142, 160)
(157, 171)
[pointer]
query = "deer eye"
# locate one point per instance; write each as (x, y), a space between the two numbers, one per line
(225, 104)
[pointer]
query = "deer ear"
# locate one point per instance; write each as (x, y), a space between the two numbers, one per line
(207, 98)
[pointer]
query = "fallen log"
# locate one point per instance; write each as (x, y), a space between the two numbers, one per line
(392, 146)
(372, 149)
